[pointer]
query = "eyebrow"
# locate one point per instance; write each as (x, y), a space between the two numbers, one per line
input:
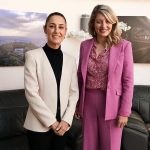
(59, 24)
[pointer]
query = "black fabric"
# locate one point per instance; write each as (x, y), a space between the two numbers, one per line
(55, 57)
(46, 141)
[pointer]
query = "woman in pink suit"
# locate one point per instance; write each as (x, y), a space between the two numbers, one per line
(105, 76)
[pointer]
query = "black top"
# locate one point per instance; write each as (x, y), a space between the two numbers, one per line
(55, 57)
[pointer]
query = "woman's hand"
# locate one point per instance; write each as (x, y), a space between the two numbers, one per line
(62, 127)
(54, 125)
(122, 121)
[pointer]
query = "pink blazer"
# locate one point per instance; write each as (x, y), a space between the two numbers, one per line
(120, 78)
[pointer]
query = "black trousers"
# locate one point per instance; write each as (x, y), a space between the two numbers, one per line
(46, 140)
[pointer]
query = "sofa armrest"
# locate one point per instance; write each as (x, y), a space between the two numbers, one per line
(13, 107)
(136, 123)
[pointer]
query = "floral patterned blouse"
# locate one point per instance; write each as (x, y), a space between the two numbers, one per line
(97, 69)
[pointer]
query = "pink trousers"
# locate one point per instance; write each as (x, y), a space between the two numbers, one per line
(99, 134)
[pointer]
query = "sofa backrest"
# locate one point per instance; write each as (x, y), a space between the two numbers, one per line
(13, 108)
(141, 101)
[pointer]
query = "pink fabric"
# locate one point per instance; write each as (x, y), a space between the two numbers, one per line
(99, 134)
(97, 70)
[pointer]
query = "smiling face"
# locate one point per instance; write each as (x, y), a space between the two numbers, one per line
(102, 26)
(55, 29)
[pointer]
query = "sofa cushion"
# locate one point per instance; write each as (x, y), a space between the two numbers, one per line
(141, 101)
(134, 140)
(14, 143)
(13, 107)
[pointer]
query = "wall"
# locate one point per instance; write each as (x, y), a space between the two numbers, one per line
(12, 77)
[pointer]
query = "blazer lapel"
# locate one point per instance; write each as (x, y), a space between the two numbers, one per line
(113, 58)
(49, 70)
(85, 57)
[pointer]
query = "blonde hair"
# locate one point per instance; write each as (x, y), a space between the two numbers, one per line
(115, 36)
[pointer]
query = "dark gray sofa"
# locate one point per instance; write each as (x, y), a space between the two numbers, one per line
(13, 108)
(136, 135)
